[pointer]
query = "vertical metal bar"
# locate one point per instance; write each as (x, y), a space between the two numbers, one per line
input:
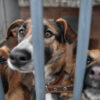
(2, 96)
(83, 40)
(37, 36)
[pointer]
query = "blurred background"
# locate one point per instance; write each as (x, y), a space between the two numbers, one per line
(11, 10)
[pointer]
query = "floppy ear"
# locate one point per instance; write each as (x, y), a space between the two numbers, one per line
(68, 34)
(11, 32)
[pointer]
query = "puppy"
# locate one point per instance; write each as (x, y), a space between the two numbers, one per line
(57, 33)
(14, 83)
(92, 76)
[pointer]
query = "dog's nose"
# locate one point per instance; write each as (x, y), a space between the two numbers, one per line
(20, 57)
(94, 72)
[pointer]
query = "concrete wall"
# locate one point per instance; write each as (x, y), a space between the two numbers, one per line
(9, 11)
(57, 3)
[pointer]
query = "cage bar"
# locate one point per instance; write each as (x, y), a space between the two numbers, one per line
(83, 40)
(37, 39)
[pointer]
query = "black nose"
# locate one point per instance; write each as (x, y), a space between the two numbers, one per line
(94, 72)
(20, 57)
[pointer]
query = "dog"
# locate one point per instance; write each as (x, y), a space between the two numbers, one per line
(91, 86)
(57, 34)
(5, 47)
(92, 76)
(14, 83)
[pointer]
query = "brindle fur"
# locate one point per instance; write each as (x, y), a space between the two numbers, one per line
(55, 57)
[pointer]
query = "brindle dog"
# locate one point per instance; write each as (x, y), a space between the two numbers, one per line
(57, 34)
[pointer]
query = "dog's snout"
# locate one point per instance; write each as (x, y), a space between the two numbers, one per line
(94, 72)
(20, 57)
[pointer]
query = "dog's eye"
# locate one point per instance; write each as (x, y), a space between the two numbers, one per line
(89, 60)
(48, 34)
(21, 32)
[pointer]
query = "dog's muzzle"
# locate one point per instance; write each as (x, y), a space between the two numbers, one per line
(19, 58)
(92, 79)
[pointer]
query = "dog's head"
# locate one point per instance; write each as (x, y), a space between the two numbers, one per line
(56, 34)
(92, 76)
(17, 29)
(15, 33)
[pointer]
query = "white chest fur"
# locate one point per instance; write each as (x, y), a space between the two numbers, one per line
(49, 96)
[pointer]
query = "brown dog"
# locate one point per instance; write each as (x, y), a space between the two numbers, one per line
(92, 76)
(57, 34)
(15, 84)
(91, 90)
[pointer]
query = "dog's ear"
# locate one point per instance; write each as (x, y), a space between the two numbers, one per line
(13, 26)
(68, 34)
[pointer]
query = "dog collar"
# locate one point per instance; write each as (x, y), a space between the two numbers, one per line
(56, 87)
(59, 89)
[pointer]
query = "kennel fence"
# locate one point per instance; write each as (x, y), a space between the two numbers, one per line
(83, 39)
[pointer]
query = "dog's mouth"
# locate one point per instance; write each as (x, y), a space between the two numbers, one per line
(24, 69)
(93, 85)
(56, 78)
(92, 91)
(92, 78)
(58, 85)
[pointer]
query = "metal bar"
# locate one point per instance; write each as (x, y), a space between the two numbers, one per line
(37, 39)
(2, 96)
(83, 40)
